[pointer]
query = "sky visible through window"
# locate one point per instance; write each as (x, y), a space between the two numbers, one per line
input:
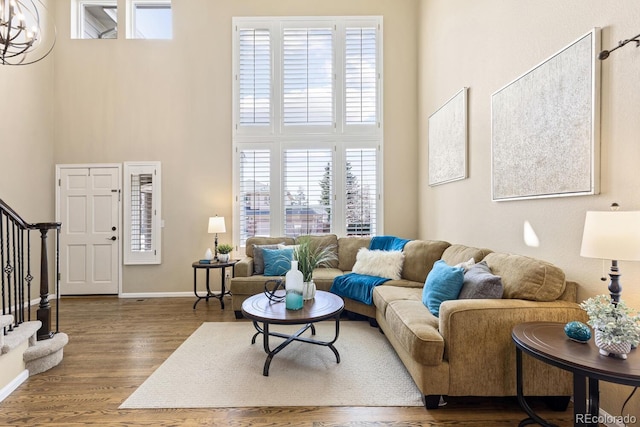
(154, 22)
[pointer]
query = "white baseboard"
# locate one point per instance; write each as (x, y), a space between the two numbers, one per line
(157, 295)
(14, 384)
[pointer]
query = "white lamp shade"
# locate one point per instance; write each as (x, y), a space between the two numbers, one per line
(216, 224)
(613, 235)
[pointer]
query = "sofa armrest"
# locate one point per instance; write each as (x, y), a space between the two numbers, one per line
(244, 267)
(464, 321)
(478, 343)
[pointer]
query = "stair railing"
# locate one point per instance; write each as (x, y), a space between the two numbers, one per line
(15, 271)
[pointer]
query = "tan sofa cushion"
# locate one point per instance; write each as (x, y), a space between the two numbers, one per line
(416, 329)
(419, 256)
(323, 277)
(384, 294)
(455, 254)
(527, 278)
(323, 241)
(348, 248)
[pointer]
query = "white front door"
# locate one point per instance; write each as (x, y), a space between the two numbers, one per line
(88, 206)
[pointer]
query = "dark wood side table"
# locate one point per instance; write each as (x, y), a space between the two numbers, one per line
(223, 290)
(547, 342)
(260, 309)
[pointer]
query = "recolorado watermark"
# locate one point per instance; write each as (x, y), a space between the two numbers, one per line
(605, 419)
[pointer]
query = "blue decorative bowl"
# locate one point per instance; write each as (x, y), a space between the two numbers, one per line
(578, 331)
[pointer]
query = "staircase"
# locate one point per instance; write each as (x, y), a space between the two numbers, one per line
(27, 347)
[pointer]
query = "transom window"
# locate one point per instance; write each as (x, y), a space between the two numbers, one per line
(94, 19)
(307, 126)
(98, 19)
(149, 19)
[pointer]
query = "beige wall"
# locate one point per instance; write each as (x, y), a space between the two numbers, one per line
(123, 100)
(486, 44)
(26, 140)
(26, 148)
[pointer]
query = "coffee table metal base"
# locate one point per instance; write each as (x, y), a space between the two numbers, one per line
(288, 339)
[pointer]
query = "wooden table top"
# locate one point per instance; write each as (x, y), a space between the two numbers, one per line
(324, 306)
(547, 341)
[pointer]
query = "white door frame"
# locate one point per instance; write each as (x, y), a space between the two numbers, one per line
(117, 166)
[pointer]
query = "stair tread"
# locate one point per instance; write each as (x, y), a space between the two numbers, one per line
(19, 335)
(5, 320)
(46, 347)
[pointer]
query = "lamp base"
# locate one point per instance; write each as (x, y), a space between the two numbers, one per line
(615, 289)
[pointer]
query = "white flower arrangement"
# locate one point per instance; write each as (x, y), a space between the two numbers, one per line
(615, 322)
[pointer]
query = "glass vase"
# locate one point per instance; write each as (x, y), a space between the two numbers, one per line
(309, 290)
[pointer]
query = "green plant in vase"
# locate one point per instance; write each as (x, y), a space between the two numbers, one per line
(310, 257)
(616, 328)
(223, 252)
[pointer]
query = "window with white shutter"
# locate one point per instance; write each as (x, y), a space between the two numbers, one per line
(361, 191)
(255, 194)
(254, 76)
(361, 75)
(307, 126)
(307, 76)
(142, 195)
(307, 191)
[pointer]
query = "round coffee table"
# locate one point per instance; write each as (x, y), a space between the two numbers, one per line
(263, 311)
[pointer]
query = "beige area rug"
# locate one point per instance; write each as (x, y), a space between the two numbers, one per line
(218, 367)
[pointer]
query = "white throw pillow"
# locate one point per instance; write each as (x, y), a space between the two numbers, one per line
(378, 263)
(466, 264)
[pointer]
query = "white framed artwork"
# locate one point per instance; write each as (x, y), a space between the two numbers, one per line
(448, 141)
(545, 127)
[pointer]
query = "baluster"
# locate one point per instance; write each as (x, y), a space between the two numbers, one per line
(7, 270)
(57, 278)
(4, 295)
(29, 277)
(15, 273)
(20, 275)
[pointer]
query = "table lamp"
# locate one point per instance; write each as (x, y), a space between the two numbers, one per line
(613, 235)
(216, 225)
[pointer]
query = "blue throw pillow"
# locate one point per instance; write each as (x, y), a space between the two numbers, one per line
(443, 283)
(277, 261)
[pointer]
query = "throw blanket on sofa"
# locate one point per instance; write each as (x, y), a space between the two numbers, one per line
(358, 287)
(387, 243)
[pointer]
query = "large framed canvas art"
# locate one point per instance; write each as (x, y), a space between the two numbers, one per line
(448, 141)
(545, 127)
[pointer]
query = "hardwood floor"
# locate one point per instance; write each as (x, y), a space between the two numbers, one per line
(115, 344)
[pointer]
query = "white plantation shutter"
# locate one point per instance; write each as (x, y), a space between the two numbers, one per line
(307, 210)
(142, 213)
(361, 191)
(308, 126)
(361, 76)
(255, 194)
(308, 90)
(254, 77)
(141, 192)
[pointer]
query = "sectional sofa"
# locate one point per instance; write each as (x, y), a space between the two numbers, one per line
(467, 349)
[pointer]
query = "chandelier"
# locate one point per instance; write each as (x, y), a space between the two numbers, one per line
(26, 35)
